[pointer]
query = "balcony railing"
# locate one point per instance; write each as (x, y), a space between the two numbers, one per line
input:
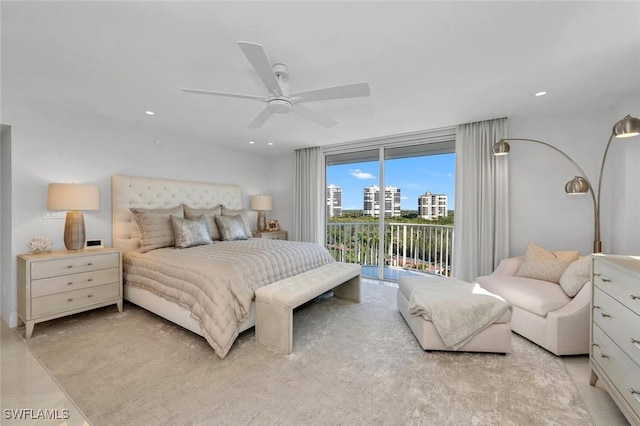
(419, 247)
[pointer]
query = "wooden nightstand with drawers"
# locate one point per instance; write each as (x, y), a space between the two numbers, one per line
(272, 235)
(60, 283)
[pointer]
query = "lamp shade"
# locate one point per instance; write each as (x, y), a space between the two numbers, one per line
(500, 148)
(261, 202)
(73, 196)
(627, 127)
(577, 185)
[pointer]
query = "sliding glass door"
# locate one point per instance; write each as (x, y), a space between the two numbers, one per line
(390, 209)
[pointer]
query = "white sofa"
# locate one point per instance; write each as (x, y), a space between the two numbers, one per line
(542, 311)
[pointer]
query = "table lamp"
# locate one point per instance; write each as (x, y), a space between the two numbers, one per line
(261, 203)
(73, 197)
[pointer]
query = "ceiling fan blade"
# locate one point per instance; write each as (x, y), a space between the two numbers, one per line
(261, 118)
(316, 117)
(257, 56)
(230, 95)
(336, 92)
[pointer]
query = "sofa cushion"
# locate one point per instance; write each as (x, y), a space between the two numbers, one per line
(545, 265)
(576, 276)
(536, 296)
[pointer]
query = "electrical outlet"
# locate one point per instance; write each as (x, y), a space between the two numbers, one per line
(51, 214)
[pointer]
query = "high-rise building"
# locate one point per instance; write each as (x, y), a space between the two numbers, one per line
(432, 206)
(334, 201)
(391, 201)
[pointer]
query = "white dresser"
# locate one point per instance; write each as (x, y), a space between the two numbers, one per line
(52, 285)
(615, 330)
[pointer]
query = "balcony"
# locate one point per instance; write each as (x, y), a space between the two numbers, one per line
(409, 248)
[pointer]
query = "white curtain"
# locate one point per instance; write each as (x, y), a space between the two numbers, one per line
(481, 230)
(308, 196)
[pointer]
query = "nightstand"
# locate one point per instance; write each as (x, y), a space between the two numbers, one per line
(60, 283)
(272, 235)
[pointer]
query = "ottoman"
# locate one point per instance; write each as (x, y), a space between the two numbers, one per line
(495, 338)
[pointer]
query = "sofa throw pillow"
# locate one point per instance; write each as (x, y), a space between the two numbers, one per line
(190, 232)
(154, 226)
(244, 214)
(577, 274)
(210, 215)
(231, 228)
(542, 264)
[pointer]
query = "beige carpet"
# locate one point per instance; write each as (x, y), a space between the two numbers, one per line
(353, 364)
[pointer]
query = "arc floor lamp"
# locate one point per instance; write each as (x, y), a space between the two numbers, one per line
(627, 127)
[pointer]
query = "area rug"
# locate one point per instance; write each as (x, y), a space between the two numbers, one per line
(353, 364)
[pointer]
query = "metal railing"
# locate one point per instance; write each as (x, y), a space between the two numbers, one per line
(421, 247)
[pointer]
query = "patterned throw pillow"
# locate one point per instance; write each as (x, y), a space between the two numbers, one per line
(154, 226)
(545, 265)
(190, 232)
(576, 276)
(209, 214)
(244, 214)
(231, 228)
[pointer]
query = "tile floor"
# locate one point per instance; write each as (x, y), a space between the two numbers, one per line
(27, 385)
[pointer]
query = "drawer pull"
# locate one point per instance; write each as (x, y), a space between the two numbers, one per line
(70, 283)
(603, 355)
(635, 342)
(90, 295)
(69, 266)
(90, 279)
(90, 264)
(605, 315)
(635, 394)
(634, 297)
(70, 300)
(605, 279)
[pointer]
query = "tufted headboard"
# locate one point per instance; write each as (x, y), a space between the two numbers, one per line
(134, 191)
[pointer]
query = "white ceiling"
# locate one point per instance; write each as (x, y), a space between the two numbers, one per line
(429, 64)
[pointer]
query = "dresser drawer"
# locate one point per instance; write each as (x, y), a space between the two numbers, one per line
(72, 265)
(618, 367)
(622, 287)
(620, 323)
(70, 282)
(69, 300)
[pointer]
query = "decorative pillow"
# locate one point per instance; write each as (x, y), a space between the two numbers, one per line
(210, 215)
(544, 265)
(231, 228)
(155, 227)
(577, 274)
(190, 232)
(244, 214)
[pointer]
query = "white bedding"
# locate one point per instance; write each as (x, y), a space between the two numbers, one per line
(217, 282)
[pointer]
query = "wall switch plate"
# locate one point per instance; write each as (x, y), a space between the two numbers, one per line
(54, 214)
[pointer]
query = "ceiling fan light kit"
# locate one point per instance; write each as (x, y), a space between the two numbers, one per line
(279, 99)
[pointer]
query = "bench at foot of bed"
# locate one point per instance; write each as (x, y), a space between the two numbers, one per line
(275, 302)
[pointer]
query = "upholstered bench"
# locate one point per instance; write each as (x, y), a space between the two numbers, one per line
(275, 302)
(495, 338)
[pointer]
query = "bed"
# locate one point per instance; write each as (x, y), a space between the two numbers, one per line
(207, 289)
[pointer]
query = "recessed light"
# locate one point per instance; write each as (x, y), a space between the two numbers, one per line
(251, 142)
(149, 112)
(270, 143)
(541, 93)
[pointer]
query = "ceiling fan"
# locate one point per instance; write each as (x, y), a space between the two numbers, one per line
(279, 99)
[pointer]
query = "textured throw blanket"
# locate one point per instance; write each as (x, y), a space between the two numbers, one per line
(458, 310)
(217, 282)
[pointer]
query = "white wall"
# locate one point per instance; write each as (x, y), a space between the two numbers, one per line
(52, 143)
(540, 209)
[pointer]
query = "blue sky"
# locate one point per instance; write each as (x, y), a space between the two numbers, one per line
(414, 176)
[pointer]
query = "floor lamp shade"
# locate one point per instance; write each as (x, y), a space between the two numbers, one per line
(261, 203)
(73, 197)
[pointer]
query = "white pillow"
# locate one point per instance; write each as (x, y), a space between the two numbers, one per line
(577, 274)
(541, 264)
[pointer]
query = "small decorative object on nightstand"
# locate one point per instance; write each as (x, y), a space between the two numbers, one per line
(60, 283)
(272, 235)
